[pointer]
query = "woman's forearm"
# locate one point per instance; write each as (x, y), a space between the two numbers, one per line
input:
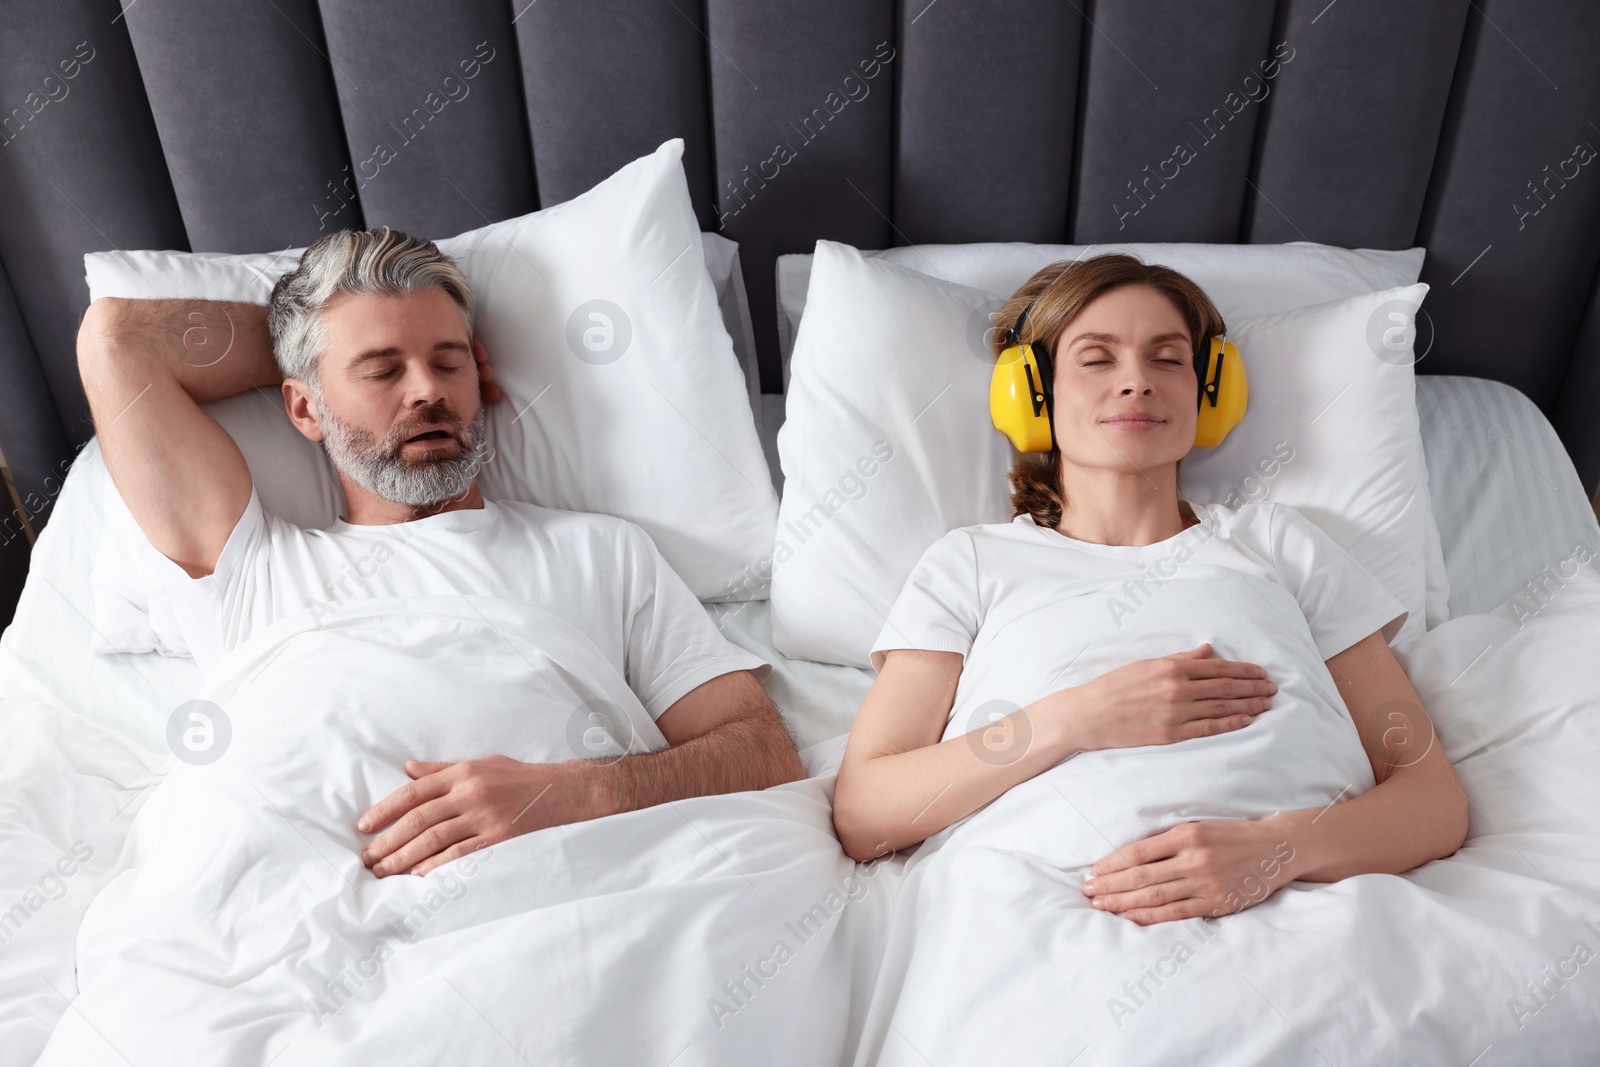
(1418, 813)
(895, 801)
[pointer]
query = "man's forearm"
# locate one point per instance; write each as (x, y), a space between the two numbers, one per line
(213, 349)
(750, 752)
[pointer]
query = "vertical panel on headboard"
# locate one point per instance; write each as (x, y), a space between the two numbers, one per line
(36, 451)
(606, 82)
(244, 99)
(1577, 415)
(801, 152)
(34, 447)
(988, 103)
(1514, 206)
(81, 171)
(1351, 121)
(431, 99)
(1167, 122)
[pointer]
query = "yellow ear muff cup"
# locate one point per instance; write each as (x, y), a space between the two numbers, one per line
(1011, 400)
(1232, 396)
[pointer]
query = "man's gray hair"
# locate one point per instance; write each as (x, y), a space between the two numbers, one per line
(383, 261)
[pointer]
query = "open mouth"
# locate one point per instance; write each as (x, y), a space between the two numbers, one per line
(429, 437)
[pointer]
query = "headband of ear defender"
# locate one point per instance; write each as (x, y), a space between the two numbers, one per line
(1021, 398)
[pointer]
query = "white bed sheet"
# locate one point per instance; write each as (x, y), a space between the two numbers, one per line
(1509, 502)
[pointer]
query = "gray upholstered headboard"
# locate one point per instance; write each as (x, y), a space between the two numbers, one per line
(1467, 126)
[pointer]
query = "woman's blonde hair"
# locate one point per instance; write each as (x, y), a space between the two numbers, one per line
(1058, 294)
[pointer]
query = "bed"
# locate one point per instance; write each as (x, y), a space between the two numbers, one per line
(84, 747)
(1483, 958)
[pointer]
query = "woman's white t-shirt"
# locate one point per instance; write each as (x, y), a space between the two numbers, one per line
(1033, 610)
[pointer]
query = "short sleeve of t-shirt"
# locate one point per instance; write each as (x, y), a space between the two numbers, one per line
(213, 613)
(1340, 598)
(672, 644)
(937, 609)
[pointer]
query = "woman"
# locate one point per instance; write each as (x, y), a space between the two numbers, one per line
(1201, 786)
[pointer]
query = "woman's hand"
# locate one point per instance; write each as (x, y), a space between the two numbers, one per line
(1173, 698)
(1196, 870)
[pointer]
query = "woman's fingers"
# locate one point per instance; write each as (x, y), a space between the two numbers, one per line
(1223, 668)
(1160, 846)
(1193, 908)
(1205, 727)
(1131, 878)
(1230, 689)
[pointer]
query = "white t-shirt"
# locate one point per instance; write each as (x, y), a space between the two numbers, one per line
(1034, 611)
(601, 574)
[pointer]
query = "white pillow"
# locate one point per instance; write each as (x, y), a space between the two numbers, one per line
(887, 444)
(1244, 281)
(657, 428)
(1332, 389)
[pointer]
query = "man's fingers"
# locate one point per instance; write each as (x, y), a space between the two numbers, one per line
(418, 768)
(401, 801)
(431, 842)
(1200, 652)
(488, 387)
(454, 852)
(408, 826)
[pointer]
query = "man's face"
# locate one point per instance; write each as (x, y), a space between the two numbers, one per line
(399, 410)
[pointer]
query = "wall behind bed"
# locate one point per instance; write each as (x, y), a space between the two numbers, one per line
(1468, 126)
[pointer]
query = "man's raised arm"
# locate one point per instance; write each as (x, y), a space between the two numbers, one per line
(147, 366)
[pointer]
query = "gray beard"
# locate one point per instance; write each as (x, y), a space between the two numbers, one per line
(378, 466)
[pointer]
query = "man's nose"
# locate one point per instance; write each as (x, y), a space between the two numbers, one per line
(423, 386)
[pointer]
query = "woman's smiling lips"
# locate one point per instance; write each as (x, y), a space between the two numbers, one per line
(1134, 420)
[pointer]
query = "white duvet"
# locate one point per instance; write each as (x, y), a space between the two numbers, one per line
(234, 923)
(1491, 956)
(241, 927)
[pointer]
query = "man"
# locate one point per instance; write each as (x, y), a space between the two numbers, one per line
(370, 341)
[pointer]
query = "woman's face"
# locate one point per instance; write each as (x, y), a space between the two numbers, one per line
(1125, 382)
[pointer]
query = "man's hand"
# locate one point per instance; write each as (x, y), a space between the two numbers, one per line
(488, 388)
(723, 736)
(451, 809)
(1197, 870)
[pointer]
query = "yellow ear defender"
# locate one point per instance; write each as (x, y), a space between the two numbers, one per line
(1021, 403)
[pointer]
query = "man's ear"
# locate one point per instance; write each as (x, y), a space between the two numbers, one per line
(301, 411)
